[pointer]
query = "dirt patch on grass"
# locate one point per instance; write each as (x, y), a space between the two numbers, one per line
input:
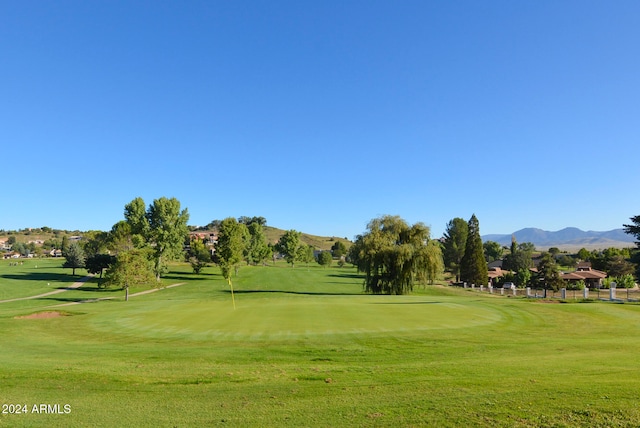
(43, 315)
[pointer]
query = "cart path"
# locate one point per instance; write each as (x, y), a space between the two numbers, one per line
(76, 284)
(140, 293)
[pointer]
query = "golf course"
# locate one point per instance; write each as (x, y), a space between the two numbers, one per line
(305, 346)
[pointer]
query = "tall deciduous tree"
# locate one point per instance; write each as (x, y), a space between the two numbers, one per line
(492, 251)
(473, 268)
(167, 231)
(288, 246)
(232, 238)
(455, 241)
(133, 267)
(257, 249)
(199, 255)
(393, 255)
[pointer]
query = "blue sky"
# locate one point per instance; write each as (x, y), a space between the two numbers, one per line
(320, 116)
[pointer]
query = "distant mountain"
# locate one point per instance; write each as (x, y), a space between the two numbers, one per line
(567, 238)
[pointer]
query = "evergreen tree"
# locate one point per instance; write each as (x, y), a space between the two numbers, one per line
(549, 273)
(74, 257)
(473, 269)
(455, 241)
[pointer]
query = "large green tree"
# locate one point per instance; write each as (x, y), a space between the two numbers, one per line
(229, 250)
(162, 227)
(167, 231)
(133, 267)
(288, 246)
(394, 255)
(455, 241)
(199, 255)
(257, 250)
(473, 266)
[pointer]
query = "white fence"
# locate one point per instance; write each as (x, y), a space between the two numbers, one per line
(613, 294)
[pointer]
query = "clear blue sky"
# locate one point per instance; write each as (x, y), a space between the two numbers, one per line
(321, 115)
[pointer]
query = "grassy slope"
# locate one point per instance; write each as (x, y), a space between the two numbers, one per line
(305, 348)
(320, 242)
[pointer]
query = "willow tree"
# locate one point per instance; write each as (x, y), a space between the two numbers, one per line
(473, 266)
(394, 255)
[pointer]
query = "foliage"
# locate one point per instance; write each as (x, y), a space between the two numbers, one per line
(74, 256)
(257, 250)
(393, 255)
(133, 267)
(232, 240)
(305, 254)
(576, 285)
(325, 258)
(166, 233)
(339, 249)
(492, 251)
(248, 221)
(566, 260)
(633, 228)
(97, 263)
(455, 240)
(522, 277)
(623, 281)
(549, 273)
(584, 254)
(199, 255)
(288, 246)
(519, 257)
(473, 267)
(95, 242)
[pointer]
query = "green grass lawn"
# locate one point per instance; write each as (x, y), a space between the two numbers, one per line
(305, 347)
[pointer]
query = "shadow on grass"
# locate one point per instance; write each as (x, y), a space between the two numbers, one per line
(403, 303)
(347, 275)
(306, 293)
(44, 276)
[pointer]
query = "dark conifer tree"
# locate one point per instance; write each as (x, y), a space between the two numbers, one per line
(473, 267)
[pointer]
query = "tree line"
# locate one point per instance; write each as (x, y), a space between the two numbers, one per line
(392, 255)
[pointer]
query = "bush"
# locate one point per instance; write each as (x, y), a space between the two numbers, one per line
(578, 285)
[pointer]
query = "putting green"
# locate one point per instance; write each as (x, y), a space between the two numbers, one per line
(294, 317)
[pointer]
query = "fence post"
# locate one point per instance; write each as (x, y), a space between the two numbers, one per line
(563, 293)
(585, 292)
(528, 291)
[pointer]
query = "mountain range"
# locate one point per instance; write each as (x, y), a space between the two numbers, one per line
(569, 238)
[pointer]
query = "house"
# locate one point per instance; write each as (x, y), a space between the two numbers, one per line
(495, 273)
(584, 272)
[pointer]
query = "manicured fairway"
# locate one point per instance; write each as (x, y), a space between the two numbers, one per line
(304, 347)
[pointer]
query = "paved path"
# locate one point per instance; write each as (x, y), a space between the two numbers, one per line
(76, 284)
(140, 293)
